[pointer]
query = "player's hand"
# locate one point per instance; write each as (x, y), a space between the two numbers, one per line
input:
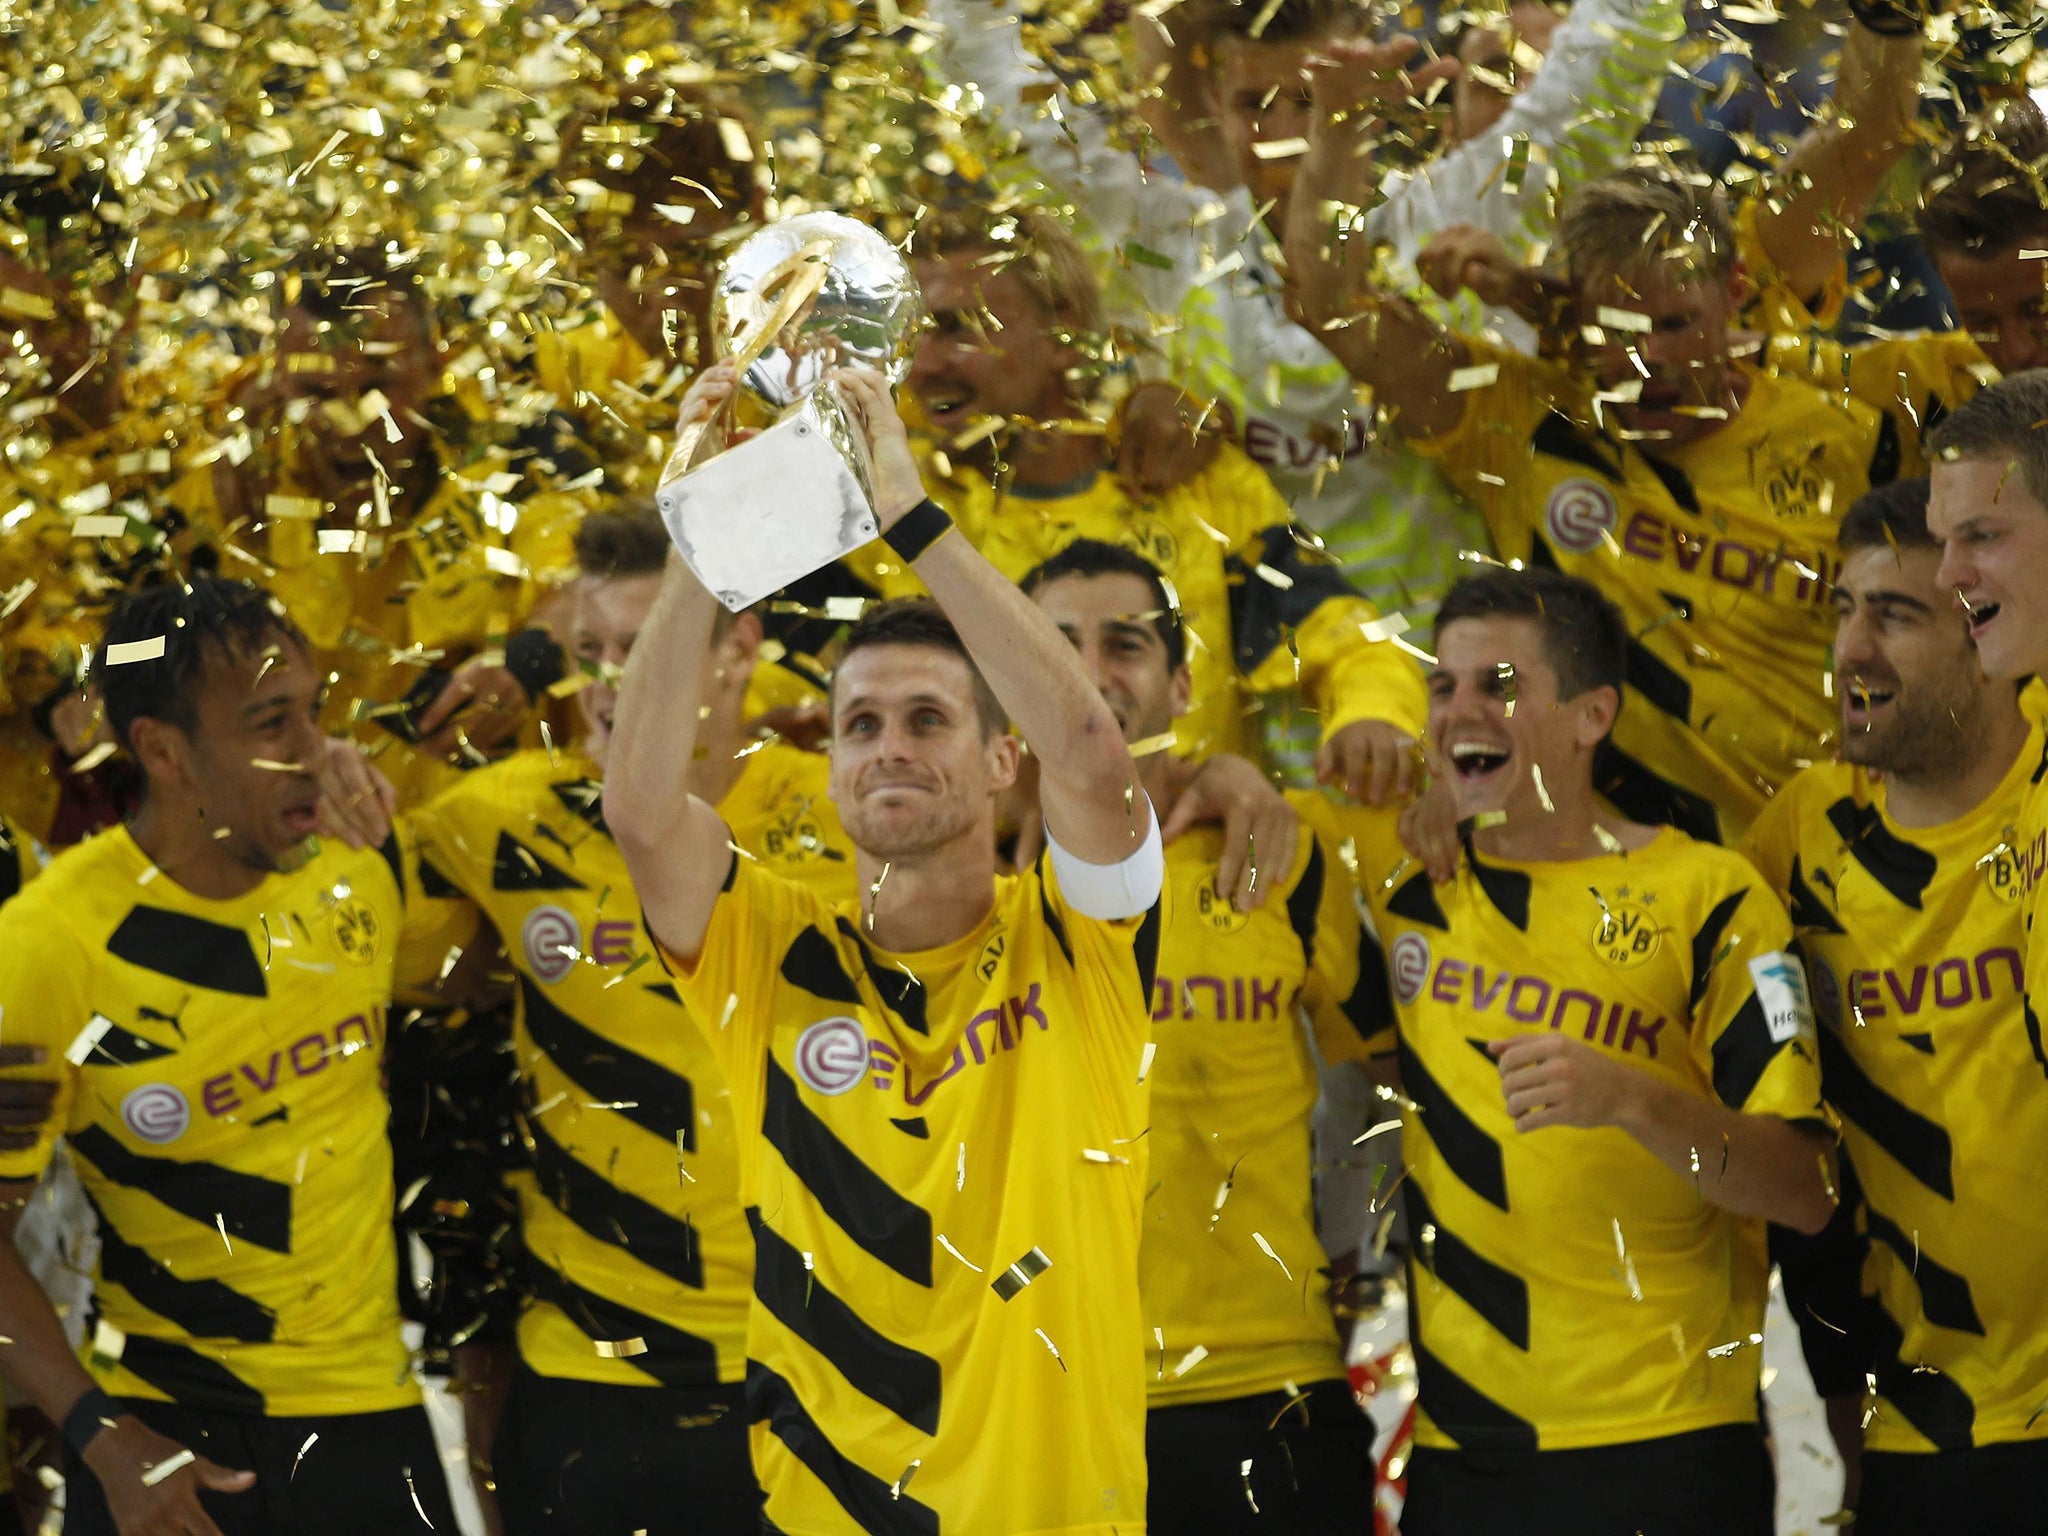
(1429, 831)
(124, 1455)
(1370, 760)
(1556, 1080)
(356, 801)
(1365, 81)
(898, 486)
(1466, 256)
(25, 1102)
(1259, 827)
(808, 727)
(481, 703)
(1167, 437)
(707, 393)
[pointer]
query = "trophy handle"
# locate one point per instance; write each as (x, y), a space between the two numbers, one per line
(799, 278)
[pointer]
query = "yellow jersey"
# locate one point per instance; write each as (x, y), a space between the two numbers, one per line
(20, 857)
(219, 1085)
(1914, 937)
(1569, 1289)
(1231, 1273)
(1261, 615)
(1720, 554)
(2031, 847)
(944, 1158)
(639, 1260)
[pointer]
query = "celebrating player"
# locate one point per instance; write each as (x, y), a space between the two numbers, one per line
(212, 1004)
(1252, 1425)
(1899, 868)
(939, 1090)
(1607, 1054)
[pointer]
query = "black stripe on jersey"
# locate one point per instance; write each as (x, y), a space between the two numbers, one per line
(1556, 436)
(119, 1047)
(1912, 1141)
(1370, 1007)
(1471, 1154)
(891, 1228)
(1305, 901)
(436, 886)
(1884, 458)
(1145, 950)
(1416, 901)
(1499, 1295)
(1641, 795)
(903, 1380)
(2041, 768)
(1926, 1398)
(1743, 1053)
(1262, 612)
(10, 865)
(394, 860)
(1675, 482)
(516, 867)
(255, 1209)
(2033, 1023)
(673, 1357)
(206, 1309)
(612, 1215)
(1460, 1409)
(1053, 925)
(190, 949)
(1809, 913)
(189, 1378)
(1945, 1298)
(868, 1501)
(1897, 865)
(1507, 889)
(900, 992)
(584, 799)
(1706, 946)
(654, 1098)
(813, 964)
(1660, 684)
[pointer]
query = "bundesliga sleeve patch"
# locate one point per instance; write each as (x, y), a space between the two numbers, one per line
(1781, 990)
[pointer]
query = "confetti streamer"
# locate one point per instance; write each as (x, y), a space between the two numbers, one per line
(1020, 1274)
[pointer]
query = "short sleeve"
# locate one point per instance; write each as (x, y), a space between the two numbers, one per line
(1350, 1005)
(1488, 454)
(762, 928)
(439, 920)
(1772, 842)
(1124, 950)
(1753, 1030)
(45, 972)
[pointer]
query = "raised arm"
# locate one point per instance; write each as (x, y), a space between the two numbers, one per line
(676, 846)
(1384, 340)
(1819, 197)
(1088, 784)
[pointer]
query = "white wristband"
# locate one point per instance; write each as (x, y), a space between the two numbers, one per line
(1113, 891)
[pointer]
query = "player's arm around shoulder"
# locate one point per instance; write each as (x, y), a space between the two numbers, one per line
(1347, 993)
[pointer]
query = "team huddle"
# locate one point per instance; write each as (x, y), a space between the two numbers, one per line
(852, 1063)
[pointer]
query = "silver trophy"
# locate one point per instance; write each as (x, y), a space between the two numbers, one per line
(793, 302)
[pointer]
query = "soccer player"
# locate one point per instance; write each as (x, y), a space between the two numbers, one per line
(1899, 867)
(1607, 1054)
(939, 1089)
(627, 1414)
(211, 992)
(1252, 1426)
(1009, 301)
(1698, 490)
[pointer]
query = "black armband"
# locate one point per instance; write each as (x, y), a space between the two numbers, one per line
(917, 530)
(93, 1412)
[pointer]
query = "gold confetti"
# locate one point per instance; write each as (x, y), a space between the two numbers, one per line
(124, 652)
(621, 1349)
(87, 1040)
(1145, 1059)
(1148, 745)
(169, 1466)
(896, 1488)
(1020, 1274)
(1723, 1351)
(1478, 376)
(1190, 1360)
(946, 1243)
(104, 526)
(1267, 1249)
(302, 1454)
(1046, 1339)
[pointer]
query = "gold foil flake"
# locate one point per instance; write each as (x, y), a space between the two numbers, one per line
(1145, 1056)
(30, 306)
(99, 526)
(272, 765)
(960, 1172)
(1505, 672)
(1097, 1155)
(168, 1466)
(1280, 149)
(1267, 1249)
(1389, 626)
(1046, 1339)
(1146, 747)
(875, 896)
(1734, 1346)
(1542, 794)
(1020, 1274)
(896, 1488)
(620, 1349)
(108, 1343)
(96, 755)
(947, 1244)
(125, 652)
(88, 1040)
(302, 1454)
(1190, 1360)
(1244, 1471)
(221, 1223)
(1628, 1265)
(1622, 319)
(1608, 841)
(1478, 376)
(1379, 1130)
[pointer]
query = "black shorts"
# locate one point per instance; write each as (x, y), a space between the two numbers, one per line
(367, 1472)
(1994, 1490)
(1711, 1482)
(580, 1458)
(1311, 1472)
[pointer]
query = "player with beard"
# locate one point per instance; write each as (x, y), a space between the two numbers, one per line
(1698, 490)
(1252, 1426)
(939, 1088)
(1900, 872)
(211, 993)
(1606, 1053)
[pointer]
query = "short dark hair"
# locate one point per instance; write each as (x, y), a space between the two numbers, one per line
(1985, 194)
(2006, 421)
(921, 622)
(201, 621)
(1893, 515)
(629, 540)
(1291, 21)
(1094, 557)
(1585, 638)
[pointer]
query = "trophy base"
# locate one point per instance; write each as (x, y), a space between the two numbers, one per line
(777, 507)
